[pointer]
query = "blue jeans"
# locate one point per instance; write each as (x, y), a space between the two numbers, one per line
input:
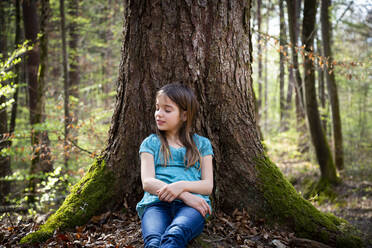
(170, 224)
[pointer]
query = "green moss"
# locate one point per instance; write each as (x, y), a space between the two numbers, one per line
(85, 199)
(288, 207)
(322, 189)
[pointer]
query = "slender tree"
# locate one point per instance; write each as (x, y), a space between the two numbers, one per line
(106, 34)
(41, 159)
(323, 153)
(259, 55)
(4, 130)
(321, 88)
(17, 67)
(282, 44)
(293, 8)
(73, 59)
(291, 79)
(265, 95)
(65, 82)
(186, 45)
(338, 149)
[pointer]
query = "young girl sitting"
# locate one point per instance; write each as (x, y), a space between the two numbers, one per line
(176, 172)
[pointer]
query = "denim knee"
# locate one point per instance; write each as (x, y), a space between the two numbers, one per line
(176, 236)
(152, 241)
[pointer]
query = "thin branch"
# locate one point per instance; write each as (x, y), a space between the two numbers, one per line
(76, 145)
(347, 8)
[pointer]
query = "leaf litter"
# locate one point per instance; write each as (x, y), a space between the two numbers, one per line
(118, 229)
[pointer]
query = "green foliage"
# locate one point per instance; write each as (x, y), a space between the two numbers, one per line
(7, 87)
(99, 27)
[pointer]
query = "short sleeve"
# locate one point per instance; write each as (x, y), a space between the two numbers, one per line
(148, 146)
(205, 147)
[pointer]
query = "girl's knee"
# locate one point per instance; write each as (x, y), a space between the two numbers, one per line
(176, 236)
(152, 241)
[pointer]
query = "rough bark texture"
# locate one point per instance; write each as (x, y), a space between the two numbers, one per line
(206, 45)
(323, 153)
(41, 161)
(338, 149)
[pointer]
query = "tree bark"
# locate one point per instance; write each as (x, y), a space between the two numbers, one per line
(321, 88)
(3, 31)
(106, 34)
(293, 8)
(324, 156)
(259, 55)
(74, 67)
(17, 70)
(338, 149)
(206, 45)
(291, 79)
(66, 85)
(265, 95)
(282, 44)
(41, 158)
(4, 130)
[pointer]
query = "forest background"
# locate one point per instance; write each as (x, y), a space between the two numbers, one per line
(75, 104)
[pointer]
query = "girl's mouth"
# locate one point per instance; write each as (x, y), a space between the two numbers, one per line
(160, 122)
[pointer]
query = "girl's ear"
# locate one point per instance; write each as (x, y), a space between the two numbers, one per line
(184, 116)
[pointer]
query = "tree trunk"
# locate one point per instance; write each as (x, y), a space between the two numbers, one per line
(3, 31)
(259, 55)
(338, 149)
(282, 44)
(324, 156)
(265, 96)
(17, 70)
(74, 67)
(363, 112)
(41, 158)
(207, 47)
(293, 26)
(66, 85)
(4, 130)
(291, 79)
(106, 53)
(321, 88)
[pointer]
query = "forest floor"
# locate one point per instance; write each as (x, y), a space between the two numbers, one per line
(352, 201)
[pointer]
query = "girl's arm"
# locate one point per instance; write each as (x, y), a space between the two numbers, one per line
(153, 185)
(204, 186)
(149, 182)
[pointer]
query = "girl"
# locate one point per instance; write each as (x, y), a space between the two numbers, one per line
(176, 172)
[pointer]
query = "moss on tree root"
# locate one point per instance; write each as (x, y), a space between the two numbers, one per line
(288, 207)
(85, 199)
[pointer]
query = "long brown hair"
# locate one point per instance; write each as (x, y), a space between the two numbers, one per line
(186, 101)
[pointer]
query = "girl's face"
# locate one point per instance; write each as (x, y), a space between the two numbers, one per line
(167, 115)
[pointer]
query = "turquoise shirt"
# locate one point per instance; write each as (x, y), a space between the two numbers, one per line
(175, 170)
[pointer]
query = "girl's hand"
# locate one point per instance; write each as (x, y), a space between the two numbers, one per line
(196, 202)
(170, 192)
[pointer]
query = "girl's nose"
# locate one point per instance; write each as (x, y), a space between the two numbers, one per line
(158, 113)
